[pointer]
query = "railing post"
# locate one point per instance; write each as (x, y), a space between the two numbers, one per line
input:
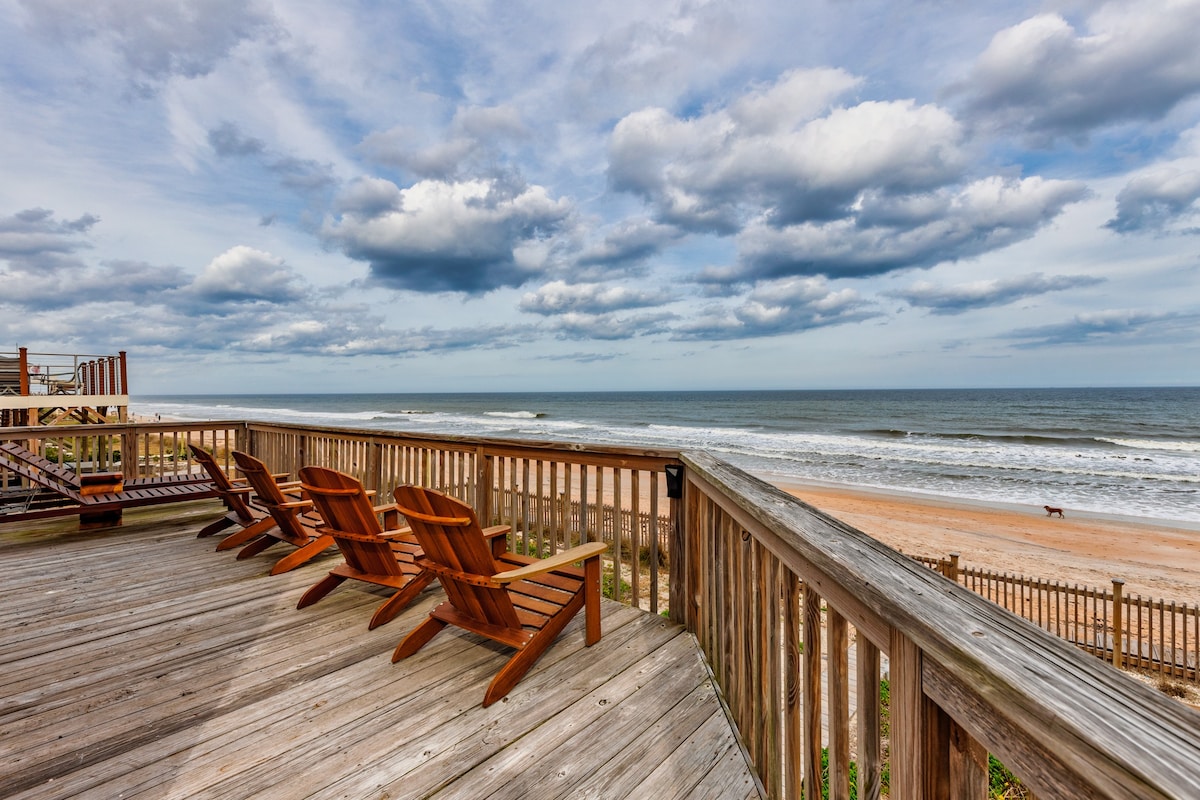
(483, 485)
(124, 387)
(952, 571)
(1118, 623)
(680, 589)
(23, 366)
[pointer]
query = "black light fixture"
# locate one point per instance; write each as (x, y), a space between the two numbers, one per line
(674, 481)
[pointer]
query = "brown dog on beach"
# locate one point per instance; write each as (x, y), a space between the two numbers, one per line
(1051, 511)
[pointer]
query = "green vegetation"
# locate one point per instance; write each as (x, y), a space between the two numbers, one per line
(607, 587)
(1002, 784)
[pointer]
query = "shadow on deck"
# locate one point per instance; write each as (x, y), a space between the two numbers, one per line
(137, 662)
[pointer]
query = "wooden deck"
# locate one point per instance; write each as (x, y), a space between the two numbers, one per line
(137, 662)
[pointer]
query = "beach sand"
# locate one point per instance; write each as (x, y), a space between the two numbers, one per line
(1160, 560)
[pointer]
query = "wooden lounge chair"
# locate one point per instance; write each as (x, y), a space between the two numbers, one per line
(237, 497)
(99, 498)
(292, 524)
(515, 600)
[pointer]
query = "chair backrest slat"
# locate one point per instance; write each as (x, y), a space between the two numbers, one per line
(271, 496)
(446, 540)
(350, 519)
(224, 487)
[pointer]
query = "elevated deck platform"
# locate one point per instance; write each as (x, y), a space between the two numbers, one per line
(137, 662)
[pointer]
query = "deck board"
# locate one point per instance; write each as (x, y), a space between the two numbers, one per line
(138, 662)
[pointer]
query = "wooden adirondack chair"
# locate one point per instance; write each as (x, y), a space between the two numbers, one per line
(384, 555)
(235, 494)
(292, 524)
(515, 600)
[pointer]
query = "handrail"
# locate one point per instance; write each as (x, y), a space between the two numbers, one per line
(966, 677)
(784, 601)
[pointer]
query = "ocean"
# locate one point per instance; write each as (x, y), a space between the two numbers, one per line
(1127, 452)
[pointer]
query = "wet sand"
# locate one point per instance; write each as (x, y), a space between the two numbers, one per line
(1155, 559)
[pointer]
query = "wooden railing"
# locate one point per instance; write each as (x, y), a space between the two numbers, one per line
(779, 594)
(1161, 636)
(792, 609)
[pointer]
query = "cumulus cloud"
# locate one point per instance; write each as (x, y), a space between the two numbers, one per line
(985, 293)
(781, 153)
(245, 275)
(778, 307)
(1043, 79)
(469, 236)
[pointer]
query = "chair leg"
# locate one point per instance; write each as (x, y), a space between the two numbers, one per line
(417, 639)
(214, 527)
(246, 534)
(397, 602)
(320, 589)
(591, 601)
(256, 547)
(302, 555)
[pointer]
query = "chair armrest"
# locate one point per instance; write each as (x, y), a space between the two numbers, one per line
(241, 490)
(391, 515)
(399, 533)
(497, 535)
(580, 553)
(295, 504)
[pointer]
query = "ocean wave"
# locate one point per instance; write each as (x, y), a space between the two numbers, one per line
(1157, 444)
(1007, 438)
(514, 414)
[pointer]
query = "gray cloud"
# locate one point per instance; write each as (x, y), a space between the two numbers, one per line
(1157, 197)
(947, 225)
(469, 236)
(986, 293)
(559, 297)
(1043, 79)
(778, 307)
(609, 326)
(156, 40)
(630, 242)
(1121, 326)
(474, 140)
(32, 241)
(301, 175)
(116, 281)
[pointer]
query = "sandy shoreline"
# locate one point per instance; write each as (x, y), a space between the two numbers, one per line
(1160, 560)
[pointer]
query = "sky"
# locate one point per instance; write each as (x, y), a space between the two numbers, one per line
(269, 196)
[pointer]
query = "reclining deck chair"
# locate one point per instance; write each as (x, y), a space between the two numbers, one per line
(99, 498)
(295, 523)
(384, 555)
(236, 495)
(519, 601)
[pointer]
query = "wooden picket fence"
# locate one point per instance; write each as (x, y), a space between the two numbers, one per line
(1129, 630)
